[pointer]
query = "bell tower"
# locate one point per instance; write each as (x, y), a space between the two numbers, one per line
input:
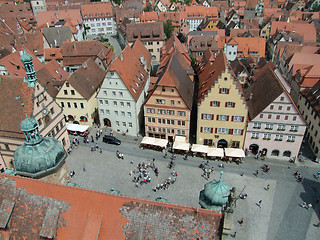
(26, 59)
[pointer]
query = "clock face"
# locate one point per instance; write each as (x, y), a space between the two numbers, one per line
(45, 111)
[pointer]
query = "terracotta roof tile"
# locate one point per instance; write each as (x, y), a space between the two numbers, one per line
(121, 217)
(152, 31)
(14, 92)
(94, 10)
(51, 17)
(14, 65)
(52, 53)
(148, 17)
(130, 69)
(87, 79)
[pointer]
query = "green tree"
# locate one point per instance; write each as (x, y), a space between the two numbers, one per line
(148, 8)
(193, 61)
(168, 28)
(118, 1)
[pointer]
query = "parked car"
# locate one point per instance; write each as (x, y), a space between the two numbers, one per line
(111, 140)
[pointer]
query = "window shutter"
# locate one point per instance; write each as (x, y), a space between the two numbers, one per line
(211, 103)
(232, 118)
(218, 104)
(226, 104)
(201, 115)
(230, 131)
(228, 118)
(216, 130)
(201, 129)
(242, 132)
(242, 119)
(220, 90)
(212, 116)
(234, 104)
(217, 116)
(211, 130)
(228, 91)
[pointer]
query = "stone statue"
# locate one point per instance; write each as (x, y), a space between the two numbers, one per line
(231, 200)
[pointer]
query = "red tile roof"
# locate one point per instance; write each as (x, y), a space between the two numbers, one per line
(14, 92)
(51, 17)
(52, 53)
(97, 10)
(119, 217)
(87, 79)
(14, 65)
(130, 69)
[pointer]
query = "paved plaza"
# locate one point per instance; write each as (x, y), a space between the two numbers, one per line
(279, 217)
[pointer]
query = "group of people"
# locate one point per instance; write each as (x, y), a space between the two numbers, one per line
(143, 173)
(165, 185)
(207, 170)
(119, 155)
(74, 144)
(298, 176)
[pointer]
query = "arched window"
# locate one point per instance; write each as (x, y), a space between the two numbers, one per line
(83, 119)
(275, 152)
(287, 153)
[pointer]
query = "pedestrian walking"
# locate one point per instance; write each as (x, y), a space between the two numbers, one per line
(309, 206)
(241, 222)
(100, 150)
(233, 235)
(84, 168)
(259, 203)
(268, 187)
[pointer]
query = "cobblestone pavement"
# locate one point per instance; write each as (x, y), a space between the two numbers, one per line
(279, 217)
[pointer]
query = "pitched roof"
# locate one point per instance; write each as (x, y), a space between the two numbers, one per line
(130, 69)
(57, 35)
(172, 44)
(52, 76)
(263, 91)
(210, 73)
(87, 79)
(14, 65)
(313, 96)
(14, 92)
(96, 10)
(68, 211)
(174, 75)
(152, 31)
(50, 17)
(52, 53)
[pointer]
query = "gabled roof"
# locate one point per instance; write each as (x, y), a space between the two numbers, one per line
(87, 79)
(96, 10)
(50, 17)
(171, 45)
(152, 31)
(57, 35)
(131, 70)
(14, 65)
(263, 91)
(210, 73)
(52, 76)
(174, 75)
(52, 53)
(77, 213)
(14, 92)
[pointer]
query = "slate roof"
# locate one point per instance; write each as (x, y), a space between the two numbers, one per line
(264, 90)
(130, 69)
(152, 31)
(65, 212)
(52, 76)
(87, 79)
(57, 35)
(14, 92)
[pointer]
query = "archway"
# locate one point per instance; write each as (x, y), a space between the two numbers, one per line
(275, 152)
(107, 122)
(222, 143)
(287, 153)
(254, 148)
(264, 152)
(83, 119)
(70, 118)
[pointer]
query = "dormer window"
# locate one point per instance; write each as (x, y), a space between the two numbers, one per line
(85, 15)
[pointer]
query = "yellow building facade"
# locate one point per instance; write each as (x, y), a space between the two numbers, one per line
(76, 108)
(222, 111)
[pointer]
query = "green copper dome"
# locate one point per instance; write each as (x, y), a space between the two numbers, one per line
(25, 57)
(215, 194)
(38, 155)
(28, 124)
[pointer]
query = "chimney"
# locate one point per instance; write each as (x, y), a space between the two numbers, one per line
(55, 43)
(48, 25)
